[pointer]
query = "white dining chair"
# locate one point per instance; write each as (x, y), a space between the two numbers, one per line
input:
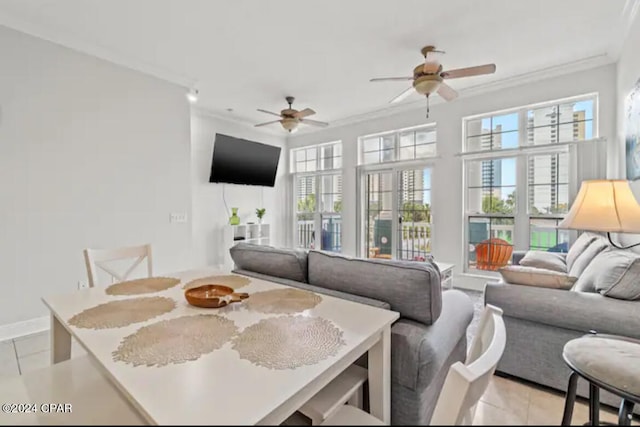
(465, 383)
(85, 397)
(98, 258)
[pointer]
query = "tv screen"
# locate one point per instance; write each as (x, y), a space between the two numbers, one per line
(238, 161)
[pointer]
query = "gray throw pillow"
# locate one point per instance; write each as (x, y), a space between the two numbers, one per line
(580, 245)
(548, 260)
(615, 273)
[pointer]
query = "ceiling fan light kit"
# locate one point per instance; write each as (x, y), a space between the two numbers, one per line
(291, 118)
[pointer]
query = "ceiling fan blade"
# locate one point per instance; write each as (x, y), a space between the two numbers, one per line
(403, 95)
(266, 123)
(469, 71)
(447, 92)
(269, 112)
(314, 123)
(391, 79)
(304, 113)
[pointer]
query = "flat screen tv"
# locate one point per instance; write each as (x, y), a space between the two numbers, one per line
(238, 161)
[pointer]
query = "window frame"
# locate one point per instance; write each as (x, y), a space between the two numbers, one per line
(522, 215)
(396, 138)
(319, 173)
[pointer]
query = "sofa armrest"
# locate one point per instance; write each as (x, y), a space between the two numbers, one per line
(419, 351)
(516, 256)
(579, 311)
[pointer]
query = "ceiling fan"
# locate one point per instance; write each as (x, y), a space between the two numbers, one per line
(428, 77)
(290, 118)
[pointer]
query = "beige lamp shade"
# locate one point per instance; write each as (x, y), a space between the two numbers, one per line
(604, 205)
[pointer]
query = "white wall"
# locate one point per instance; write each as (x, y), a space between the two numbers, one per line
(447, 173)
(628, 73)
(209, 214)
(91, 155)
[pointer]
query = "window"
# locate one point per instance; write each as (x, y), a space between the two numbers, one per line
(517, 173)
(401, 145)
(318, 196)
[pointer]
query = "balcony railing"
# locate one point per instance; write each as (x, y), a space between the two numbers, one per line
(331, 234)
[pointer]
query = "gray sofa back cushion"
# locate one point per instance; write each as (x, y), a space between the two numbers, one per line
(580, 245)
(411, 288)
(286, 263)
(316, 289)
(584, 259)
(615, 273)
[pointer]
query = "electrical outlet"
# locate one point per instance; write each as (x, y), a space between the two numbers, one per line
(179, 217)
(82, 285)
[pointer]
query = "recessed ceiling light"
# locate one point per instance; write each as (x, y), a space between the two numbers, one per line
(192, 96)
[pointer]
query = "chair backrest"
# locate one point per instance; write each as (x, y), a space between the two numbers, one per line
(466, 383)
(97, 258)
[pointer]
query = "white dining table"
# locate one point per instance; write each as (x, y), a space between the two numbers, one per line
(219, 387)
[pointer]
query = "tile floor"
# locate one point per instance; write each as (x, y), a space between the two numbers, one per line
(506, 402)
(28, 353)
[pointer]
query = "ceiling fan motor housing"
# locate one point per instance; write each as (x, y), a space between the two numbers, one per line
(427, 84)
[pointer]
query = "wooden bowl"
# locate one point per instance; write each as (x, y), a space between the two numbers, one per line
(213, 296)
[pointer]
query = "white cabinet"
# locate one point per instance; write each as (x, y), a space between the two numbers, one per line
(258, 234)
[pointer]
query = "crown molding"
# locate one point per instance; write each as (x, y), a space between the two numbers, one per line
(627, 17)
(206, 112)
(67, 40)
(517, 80)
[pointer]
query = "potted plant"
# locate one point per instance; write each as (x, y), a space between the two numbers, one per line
(260, 213)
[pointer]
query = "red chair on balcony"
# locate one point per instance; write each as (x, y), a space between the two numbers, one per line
(493, 253)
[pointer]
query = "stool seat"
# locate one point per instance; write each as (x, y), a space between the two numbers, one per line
(610, 362)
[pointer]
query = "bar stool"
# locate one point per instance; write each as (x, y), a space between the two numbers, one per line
(607, 362)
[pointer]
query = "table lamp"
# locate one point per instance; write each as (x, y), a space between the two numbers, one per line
(604, 205)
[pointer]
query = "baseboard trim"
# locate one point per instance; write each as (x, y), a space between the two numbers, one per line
(26, 327)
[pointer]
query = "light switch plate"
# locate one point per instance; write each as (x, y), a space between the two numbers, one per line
(178, 217)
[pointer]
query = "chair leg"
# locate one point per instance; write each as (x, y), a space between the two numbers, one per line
(594, 405)
(570, 399)
(626, 413)
(356, 398)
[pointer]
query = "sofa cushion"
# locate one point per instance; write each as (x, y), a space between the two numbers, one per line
(317, 289)
(578, 311)
(532, 276)
(579, 247)
(613, 273)
(555, 261)
(584, 259)
(411, 288)
(286, 263)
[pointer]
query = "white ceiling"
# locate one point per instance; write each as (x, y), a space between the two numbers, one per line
(248, 54)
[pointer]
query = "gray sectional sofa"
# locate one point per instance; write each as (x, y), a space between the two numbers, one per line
(429, 336)
(539, 321)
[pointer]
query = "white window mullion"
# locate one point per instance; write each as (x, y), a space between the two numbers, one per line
(521, 221)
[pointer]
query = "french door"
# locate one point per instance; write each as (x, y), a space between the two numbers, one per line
(318, 207)
(396, 213)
